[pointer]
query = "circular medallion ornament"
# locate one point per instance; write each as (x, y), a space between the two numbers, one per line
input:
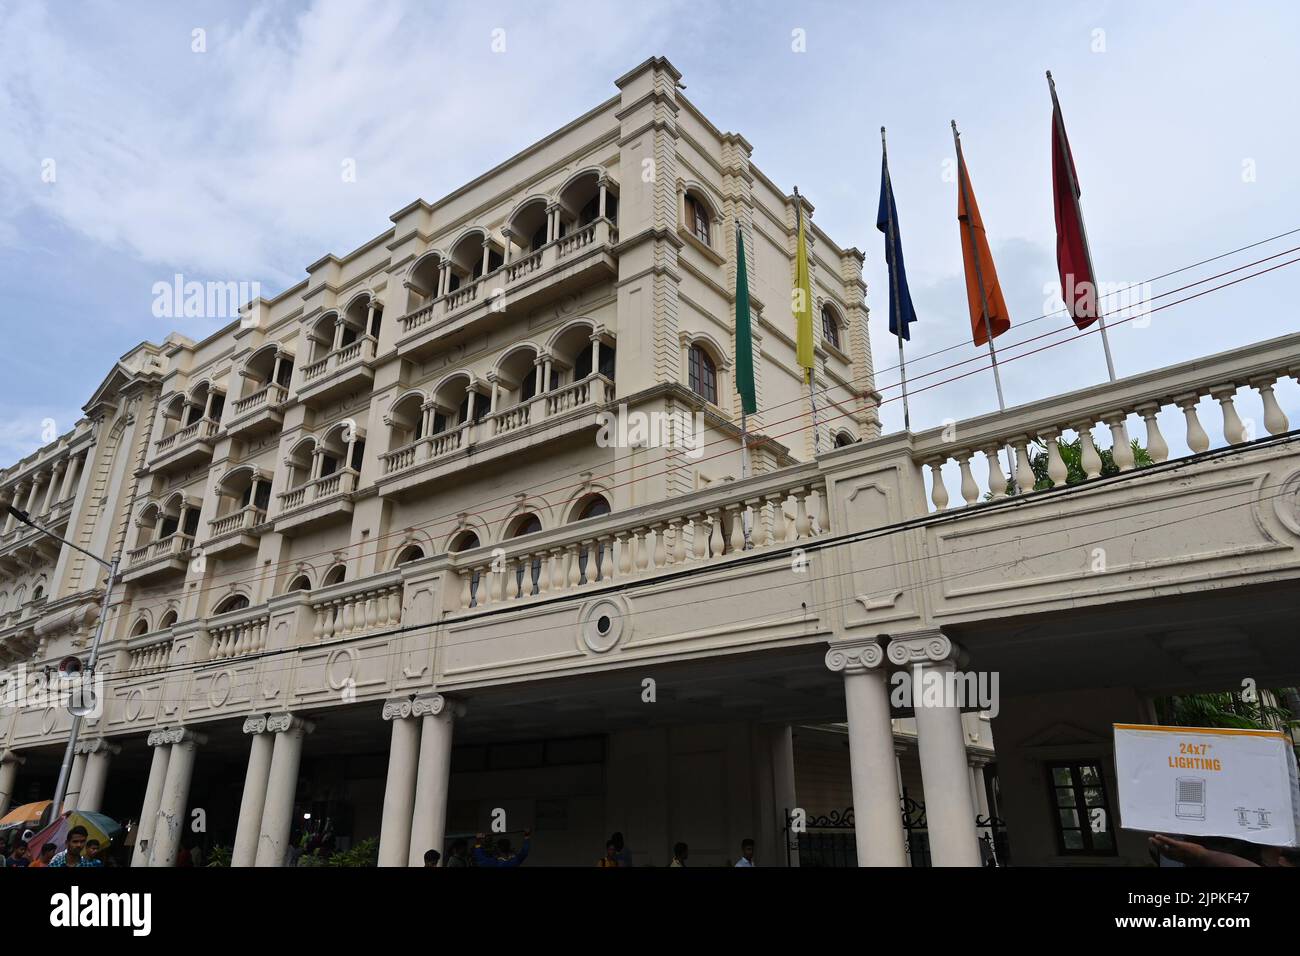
(340, 668)
(605, 622)
(222, 685)
(134, 705)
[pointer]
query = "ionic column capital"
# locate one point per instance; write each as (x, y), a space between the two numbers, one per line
(10, 756)
(288, 723)
(428, 704)
(175, 735)
(855, 657)
(923, 647)
(255, 725)
(98, 746)
(397, 708)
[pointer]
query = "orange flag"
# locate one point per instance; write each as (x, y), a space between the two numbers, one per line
(978, 261)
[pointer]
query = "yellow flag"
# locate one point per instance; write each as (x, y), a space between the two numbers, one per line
(801, 299)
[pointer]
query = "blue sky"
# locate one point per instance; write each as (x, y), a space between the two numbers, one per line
(224, 164)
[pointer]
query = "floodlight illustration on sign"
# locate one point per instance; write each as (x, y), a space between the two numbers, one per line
(1189, 800)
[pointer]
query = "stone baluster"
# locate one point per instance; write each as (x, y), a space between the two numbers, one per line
(1197, 440)
(679, 540)
(624, 541)
(574, 575)
(997, 480)
(938, 493)
(661, 545)
(970, 489)
(1088, 455)
(802, 526)
(1121, 448)
(507, 585)
(1234, 431)
(1025, 478)
(700, 537)
(737, 512)
(605, 556)
(642, 555)
(716, 546)
(1275, 421)
(556, 569)
(395, 606)
(466, 588)
(485, 584)
(1056, 469)
(1157, 449)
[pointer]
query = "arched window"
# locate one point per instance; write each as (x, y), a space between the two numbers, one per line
(593, 507)
(236, 602)
(168, 619)
(843, 438)
(464, 541)
(697, 219)
(140, 628)
(412, 552)
(335, 576)
(528, 524)
(830, 326)
(300, 583)
(703, 374)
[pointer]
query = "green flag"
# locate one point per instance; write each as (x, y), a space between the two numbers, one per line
(744, 336)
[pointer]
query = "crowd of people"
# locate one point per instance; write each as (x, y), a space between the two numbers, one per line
(81, 850)
(502, 853)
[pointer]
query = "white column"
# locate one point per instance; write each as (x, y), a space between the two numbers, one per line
(56, 475)
(9, 764)
(879, 823)
(152, 797)
(170, 821)
(399, 792)
(31, 497)
(603, 191)
(78, 773)
(251, 806)
(99, 754)
(281, 786)
(433, 776)
(941, 743)
(784, 796)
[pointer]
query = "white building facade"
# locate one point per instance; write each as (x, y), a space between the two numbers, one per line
(456, 533)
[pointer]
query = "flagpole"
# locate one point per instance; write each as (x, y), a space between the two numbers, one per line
(979, 276)
(900, 320)
(1058, 121)
(983, 295)
(812, 378)
(744, 424)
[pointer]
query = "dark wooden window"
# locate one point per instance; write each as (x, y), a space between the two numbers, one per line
(704, 375)
(1080, 809)
(697, 219)
(830, 328)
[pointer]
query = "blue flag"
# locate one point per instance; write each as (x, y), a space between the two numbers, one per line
(901, 313)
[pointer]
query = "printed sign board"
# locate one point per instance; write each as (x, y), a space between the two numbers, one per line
(1208, 781)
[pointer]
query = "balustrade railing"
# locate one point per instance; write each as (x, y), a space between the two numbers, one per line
(341, 482)
(238, 638)
(270, 394)
(171, 546)
(362, 350)
(354, 613)
(777, 511)
(245, 518)
(150, 657)
(1005, 440)
(201, 430)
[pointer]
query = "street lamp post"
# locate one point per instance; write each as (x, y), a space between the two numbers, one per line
(65, 770)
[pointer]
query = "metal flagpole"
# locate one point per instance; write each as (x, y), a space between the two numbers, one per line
(744, 423)
(812, 377)
(1058, 121)
(892, 239)
(984, 300)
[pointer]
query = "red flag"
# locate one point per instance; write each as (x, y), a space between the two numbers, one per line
(1078, 285)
